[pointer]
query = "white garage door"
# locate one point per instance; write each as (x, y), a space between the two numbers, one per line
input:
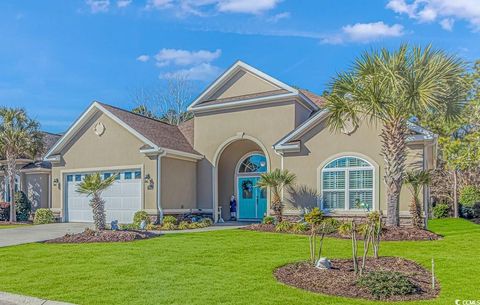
(122, 199)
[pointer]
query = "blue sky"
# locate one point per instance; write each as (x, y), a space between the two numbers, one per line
(57, 56)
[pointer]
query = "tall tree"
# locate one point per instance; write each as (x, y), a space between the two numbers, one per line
(390, 87)
(93, 185)
(166, 103)
(19, 137)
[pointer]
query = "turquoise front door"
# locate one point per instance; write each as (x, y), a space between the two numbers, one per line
(252, 200)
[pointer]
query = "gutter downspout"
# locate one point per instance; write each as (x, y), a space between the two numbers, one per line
(159, 187)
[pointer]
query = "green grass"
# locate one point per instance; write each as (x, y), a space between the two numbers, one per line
(9, 226)
(222, 267)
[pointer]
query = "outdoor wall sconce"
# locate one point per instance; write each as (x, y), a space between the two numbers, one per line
(149, 181)
(147, 178)
(55, 181)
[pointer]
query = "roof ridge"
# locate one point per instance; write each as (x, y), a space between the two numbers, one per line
(137, 114)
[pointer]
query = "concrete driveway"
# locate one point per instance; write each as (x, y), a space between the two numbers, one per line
(38, 233)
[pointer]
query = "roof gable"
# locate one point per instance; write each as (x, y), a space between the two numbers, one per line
(155, 134)
(242, 84)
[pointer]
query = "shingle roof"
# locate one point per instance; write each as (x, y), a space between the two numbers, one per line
(159, 133)
(317, 99)
(49, 139)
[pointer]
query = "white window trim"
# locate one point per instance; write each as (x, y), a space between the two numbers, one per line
(347, 182)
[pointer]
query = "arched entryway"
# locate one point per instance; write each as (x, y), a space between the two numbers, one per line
(239, 164)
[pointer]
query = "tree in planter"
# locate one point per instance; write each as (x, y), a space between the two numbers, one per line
(93, 186)
(276, 181)
(314, 219)
(416, 180)
(389, 88)
(349, 229)
(19, 137)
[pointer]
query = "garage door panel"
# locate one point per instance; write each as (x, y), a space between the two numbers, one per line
(122, 199)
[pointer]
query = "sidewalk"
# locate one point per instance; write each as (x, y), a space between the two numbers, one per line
(15, 299)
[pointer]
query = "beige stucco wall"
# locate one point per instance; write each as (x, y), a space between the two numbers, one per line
(215, 130)
(321, 145)
(36, 188)
(179, 184)
(243, 83)
(117, 148)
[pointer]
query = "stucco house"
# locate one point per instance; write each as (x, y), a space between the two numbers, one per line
(245, 123)
(33, 176)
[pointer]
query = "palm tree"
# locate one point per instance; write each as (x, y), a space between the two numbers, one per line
(416, 180)
(277, 180)
(389, 88)
(93, 185)
(20, 137)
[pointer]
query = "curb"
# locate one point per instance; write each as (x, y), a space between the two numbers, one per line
(16, 299)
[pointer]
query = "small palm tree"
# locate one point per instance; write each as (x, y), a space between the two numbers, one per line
(416, 180)
(93, 185)
(389, 88)
(277, 180)
(19, 137)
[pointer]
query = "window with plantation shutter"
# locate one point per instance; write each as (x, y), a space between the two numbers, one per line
(347, 183)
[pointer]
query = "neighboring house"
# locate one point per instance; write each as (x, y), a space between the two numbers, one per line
(33, 177)
(245, 123)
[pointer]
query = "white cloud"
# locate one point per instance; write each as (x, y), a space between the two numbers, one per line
(365, 32)
(98, 6)
(184, 57)
(278, 17)
(246, 6)
(446, 11)
(202, 7)
(447, 24)
(201, 72)
(193, 65)
(123, 3)
(159, 4)
(143, 58)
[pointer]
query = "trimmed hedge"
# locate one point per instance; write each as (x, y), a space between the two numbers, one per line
(43, 216)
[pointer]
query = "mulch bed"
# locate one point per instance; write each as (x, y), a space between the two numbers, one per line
(341, 280)
(90, 236)
(388, 233)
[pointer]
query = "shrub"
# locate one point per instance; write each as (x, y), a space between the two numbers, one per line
(206, 222)
(475, 210)
(268, 220)
(43, 216)
(300, 227)
(127, 226)
(183, 225)
(441, 210)
(23, 206)
(469, 195)
(383, 284)
(152, 227)
(283, 226)
(314, 217)
(139, 216)
(466, 212)
(170, 219)
(168, 226)
(195, 225)
(4, 211)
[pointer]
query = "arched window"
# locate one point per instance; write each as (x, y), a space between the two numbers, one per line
(254, 163)
(348, 183)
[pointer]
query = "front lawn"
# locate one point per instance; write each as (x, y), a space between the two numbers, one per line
(221, 267)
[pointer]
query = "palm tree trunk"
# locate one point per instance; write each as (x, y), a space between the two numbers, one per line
(394, 151)
(455, 196)
(11, 171)
(99, 217)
